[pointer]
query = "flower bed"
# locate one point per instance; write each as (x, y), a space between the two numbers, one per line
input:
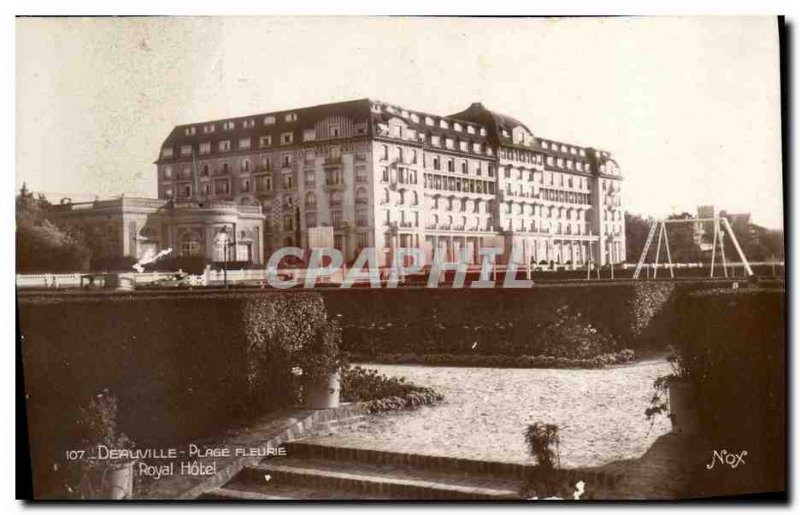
(496, 361)
(383, 393)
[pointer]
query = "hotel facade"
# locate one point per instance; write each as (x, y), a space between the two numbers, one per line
(381, 175)
(374, 175)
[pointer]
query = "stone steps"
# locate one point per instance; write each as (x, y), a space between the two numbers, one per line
(315, 471)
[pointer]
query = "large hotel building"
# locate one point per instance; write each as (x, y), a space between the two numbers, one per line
(385, 176)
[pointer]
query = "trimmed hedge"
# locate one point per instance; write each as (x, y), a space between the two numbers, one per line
(181, 366)
(734, 345)
(570, 321)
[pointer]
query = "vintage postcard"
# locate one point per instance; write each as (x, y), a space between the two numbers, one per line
(275, 258)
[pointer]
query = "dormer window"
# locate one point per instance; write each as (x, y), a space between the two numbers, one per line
(166, 152)
(290, 117)
(189, 131)
(208, 129)
(269, 120)
(228, 126)
(457, 127)
(470, 129)
(429, 121)
(483, 131)
(443, 124)
(415, 117)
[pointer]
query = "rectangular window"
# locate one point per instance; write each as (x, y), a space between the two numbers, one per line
(265, 141)
(290, 117)
(336, 218)
(221, 187)
(311, 219)
(169, 193)
(309, 135)
(311, 178)
(286, 160)
(166, 152)
(225, 145)
(167, 172)
(362, 218)
(205, 148)
(244, 143)
(245, 187)
(186, 150)
(361, 174)
(287, 138)
(287, 181)
(362, 240)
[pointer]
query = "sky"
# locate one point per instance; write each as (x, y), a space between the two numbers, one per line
(689, 106)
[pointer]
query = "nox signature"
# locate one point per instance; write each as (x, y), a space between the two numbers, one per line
(725, 458)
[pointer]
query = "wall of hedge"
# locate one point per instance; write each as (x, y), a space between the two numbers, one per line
(574, 321)
(182, 367)
(734, 345)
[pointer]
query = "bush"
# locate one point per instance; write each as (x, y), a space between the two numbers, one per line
(384, 393)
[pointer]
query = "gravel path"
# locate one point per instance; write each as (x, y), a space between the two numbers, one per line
(600, 413)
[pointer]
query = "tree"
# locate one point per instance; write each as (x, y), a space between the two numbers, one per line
(636, 229)
(43, 246)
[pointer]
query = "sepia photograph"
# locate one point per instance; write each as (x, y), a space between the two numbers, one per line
(268, 259)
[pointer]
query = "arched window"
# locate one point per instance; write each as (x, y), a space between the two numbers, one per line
(361, 195)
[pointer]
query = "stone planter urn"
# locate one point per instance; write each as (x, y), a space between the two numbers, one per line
(119, 481)
(682, 407)
(113, 481)
(322, 392)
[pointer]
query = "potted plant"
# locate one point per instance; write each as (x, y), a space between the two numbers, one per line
(318, 365)
(674, 395)
(104, 478)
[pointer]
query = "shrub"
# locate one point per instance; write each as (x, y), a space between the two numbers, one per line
(543, 441)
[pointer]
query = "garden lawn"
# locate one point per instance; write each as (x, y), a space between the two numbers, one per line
(485, 411)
